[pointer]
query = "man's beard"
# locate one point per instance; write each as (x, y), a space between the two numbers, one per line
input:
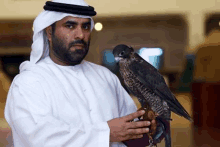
(65, 55)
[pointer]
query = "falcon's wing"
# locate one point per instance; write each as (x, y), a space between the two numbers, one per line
(150, 76)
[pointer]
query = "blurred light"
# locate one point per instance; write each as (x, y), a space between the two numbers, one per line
(109, 57)
(98, 26)
(151, 55)
(33, 28)
(108, 60)
(151, 51)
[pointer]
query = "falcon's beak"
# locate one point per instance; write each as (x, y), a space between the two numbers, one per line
(117, 59)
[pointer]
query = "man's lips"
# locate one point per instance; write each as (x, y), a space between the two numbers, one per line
(80, 46)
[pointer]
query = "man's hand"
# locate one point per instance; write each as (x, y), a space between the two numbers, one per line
(122, 129)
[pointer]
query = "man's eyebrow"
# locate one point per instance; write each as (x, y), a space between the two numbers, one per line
(76, 23)
(71, 22)
(87, 23)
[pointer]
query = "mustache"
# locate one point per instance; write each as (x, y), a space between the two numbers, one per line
(78, 42)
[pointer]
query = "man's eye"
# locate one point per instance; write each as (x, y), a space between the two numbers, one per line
(69, 26)
(86, 27)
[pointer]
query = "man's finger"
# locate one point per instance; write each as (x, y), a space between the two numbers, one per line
(136, 136)
(138, 124)
(134, 115)
(137, 131)
(128, 137)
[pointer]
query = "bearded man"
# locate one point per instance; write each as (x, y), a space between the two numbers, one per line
(61, 100)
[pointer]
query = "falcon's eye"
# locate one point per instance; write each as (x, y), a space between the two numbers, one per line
(122, 53)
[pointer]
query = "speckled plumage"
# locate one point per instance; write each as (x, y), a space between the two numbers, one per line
(144, 94)
(148, 85)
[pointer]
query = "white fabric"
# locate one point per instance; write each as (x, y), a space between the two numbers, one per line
(49, 105)
(40, 46)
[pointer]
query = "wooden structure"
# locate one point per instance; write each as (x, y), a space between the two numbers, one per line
(206, 93)
(207, 64)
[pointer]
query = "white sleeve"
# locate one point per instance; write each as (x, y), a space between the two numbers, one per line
(29, 114)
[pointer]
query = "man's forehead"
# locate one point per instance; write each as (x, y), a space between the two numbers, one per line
(75, 19)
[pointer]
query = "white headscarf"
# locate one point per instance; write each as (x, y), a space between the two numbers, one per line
(40, 46)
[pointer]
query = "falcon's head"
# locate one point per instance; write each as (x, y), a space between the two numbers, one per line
(122, 52)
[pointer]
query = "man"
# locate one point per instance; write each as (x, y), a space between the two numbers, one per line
(60, 100)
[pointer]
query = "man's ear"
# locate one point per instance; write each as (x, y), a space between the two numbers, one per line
(49, 33)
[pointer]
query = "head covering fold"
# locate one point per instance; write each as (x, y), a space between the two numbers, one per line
(40, 46)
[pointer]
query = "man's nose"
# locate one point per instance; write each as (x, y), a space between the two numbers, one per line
(79, 33)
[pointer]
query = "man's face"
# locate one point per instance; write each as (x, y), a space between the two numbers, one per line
(70, 40)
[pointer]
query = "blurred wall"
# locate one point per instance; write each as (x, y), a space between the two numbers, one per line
(168, 32)
(195, 11)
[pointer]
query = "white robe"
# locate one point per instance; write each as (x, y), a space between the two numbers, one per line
(50, 105)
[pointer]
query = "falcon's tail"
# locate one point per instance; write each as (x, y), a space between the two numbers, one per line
(180, 110)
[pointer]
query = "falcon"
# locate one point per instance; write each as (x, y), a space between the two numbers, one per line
(146, 83)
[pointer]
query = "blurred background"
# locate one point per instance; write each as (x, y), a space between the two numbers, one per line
(181, 38)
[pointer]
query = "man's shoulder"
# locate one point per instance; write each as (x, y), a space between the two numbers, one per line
(32, 74)
(27, 77)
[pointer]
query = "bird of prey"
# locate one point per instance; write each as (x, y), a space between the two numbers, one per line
(148, 85)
